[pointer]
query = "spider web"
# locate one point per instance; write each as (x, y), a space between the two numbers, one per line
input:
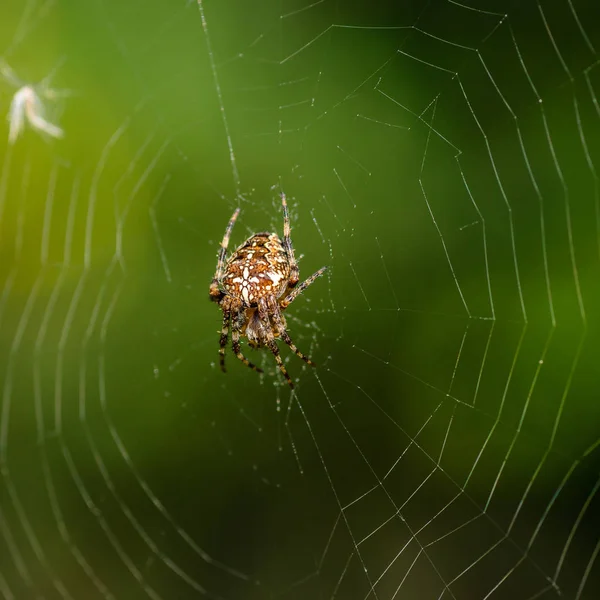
(442, 159)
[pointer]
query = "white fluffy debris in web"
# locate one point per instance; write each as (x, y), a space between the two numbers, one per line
(26, 105)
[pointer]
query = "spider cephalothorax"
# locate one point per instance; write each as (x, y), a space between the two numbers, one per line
(257, 282)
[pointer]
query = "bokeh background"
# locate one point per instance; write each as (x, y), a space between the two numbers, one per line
(442, 159)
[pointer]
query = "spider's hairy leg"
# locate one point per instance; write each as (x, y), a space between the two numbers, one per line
(270, 341)
(276, 315)
(297, 291)
(287, 245)
(226, 307)
(235, 340)
(215, 292)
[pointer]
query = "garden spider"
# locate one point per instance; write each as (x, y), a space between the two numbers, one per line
(253, 287)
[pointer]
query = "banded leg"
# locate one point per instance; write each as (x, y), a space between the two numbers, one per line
(287, 245)
(277, 319)
(224, 331)
(215, 293)
(235, 342)
(270, 341)
(297, 291)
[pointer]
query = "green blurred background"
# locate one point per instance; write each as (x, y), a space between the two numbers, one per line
(441, 158)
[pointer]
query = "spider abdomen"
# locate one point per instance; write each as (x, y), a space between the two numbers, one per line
(257, 269)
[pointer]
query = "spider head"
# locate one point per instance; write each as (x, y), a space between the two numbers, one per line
(254, 329)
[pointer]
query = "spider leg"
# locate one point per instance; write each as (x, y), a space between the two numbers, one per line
(263, 313)
(226, 307)
(235, 341)
(276, 315)
(287, 245)
(215, 292)
(297, 291)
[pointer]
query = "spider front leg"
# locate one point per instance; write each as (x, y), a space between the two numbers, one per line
(263, 313)
(287, 245)
(215, 293)
(297, 291)
(278, 320)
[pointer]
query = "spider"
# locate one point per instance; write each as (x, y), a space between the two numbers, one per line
(257, 282)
